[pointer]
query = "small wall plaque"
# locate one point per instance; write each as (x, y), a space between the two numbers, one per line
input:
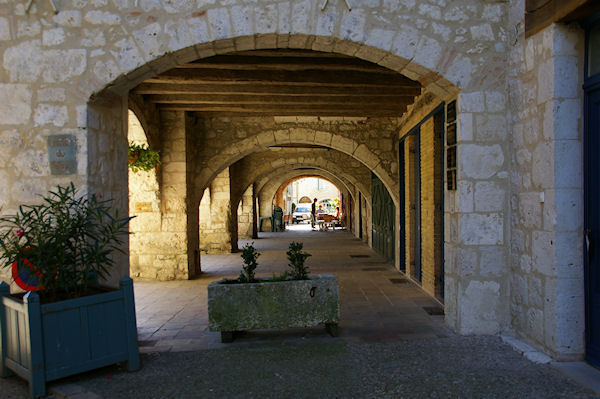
(143, 206)
(62, 151)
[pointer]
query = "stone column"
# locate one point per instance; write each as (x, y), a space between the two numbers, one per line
(254, 213)
(215, 217)
(106, 159)
(265, 204)
(476, 283)
(244, 215)
(547, 276)
(171, 257)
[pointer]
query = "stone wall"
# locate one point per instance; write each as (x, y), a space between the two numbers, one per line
(267, 192)
(54, 65)
(245, 215)
(369, 140)
(546, 265)
(215, 216)
(144, 206)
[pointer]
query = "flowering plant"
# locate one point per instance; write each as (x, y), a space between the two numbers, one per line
(63, 245)
(142, 158)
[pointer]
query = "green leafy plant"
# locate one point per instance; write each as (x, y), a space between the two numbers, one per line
(249, 256)
(141, 158)
(297, 258)
(63, 244)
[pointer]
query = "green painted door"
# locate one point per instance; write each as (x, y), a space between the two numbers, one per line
(384, 219)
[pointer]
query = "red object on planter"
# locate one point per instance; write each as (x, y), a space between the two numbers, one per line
(27, 276)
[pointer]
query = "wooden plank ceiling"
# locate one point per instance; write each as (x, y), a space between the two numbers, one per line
(282, 83)
(542, 13)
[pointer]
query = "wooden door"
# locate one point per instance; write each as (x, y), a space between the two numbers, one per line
(592, 222)
(384, 219)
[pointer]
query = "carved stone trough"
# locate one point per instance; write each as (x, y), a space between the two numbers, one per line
(273, 304)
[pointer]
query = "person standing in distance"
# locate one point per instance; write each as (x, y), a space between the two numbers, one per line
(313, 213)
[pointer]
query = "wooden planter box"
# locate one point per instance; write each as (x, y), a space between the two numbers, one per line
(42, 343)
(265, 305)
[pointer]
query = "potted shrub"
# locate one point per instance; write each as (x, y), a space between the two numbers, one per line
(142, 158)
(293, 299)
(65, 323)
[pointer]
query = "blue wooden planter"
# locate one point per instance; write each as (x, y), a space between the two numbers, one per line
(42, 343)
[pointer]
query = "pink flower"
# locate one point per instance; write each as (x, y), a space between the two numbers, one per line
(19, 233)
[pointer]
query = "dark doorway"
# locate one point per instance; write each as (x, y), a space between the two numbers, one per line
(402, 193)
(592, 193)
(384, 219)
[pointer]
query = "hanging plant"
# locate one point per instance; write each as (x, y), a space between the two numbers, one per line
(141, 158)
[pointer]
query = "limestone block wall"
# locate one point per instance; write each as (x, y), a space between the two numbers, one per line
(145, 206)
(477, 216)
(476, 225)
(546, 265)
(215, 215)
(245, 215)
(267, 192)
(160, 240)
(52, 65)
(260, 165)
(367, 221)
(106, 156)
(369, 140)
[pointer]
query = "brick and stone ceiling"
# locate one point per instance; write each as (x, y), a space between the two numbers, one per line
(282, 83)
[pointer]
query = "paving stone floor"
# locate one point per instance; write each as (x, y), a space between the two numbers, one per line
(377, 304)
(389, 346)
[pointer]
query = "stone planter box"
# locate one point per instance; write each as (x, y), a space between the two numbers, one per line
(42, 343)
(267, 305)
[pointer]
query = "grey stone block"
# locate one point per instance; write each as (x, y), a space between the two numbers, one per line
(264, 305)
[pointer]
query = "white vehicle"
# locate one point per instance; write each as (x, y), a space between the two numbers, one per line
(301, 214)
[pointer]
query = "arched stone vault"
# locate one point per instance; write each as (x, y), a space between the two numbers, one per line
(108, 55)
(74, 79)
(360, 150)
(268, 184)
(337, 176)
(267, 190)
(252, 168)
(270, 187)
(278, 177)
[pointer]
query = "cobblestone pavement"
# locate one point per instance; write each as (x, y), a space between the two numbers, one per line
(389, 345)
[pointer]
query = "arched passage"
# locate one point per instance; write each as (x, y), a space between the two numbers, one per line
(198, 160)
(79, 86)
(261, 140)
(377, 152)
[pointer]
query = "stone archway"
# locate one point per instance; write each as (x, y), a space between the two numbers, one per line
(357, 150)
(74, 78)
(361, 149)
(154, 40)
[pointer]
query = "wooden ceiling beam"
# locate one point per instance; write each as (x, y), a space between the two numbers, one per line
(280, 100)
(542, 13)
(252, 63)
(329, 109)
(272, 78)
(276, 90)
(337, 114)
